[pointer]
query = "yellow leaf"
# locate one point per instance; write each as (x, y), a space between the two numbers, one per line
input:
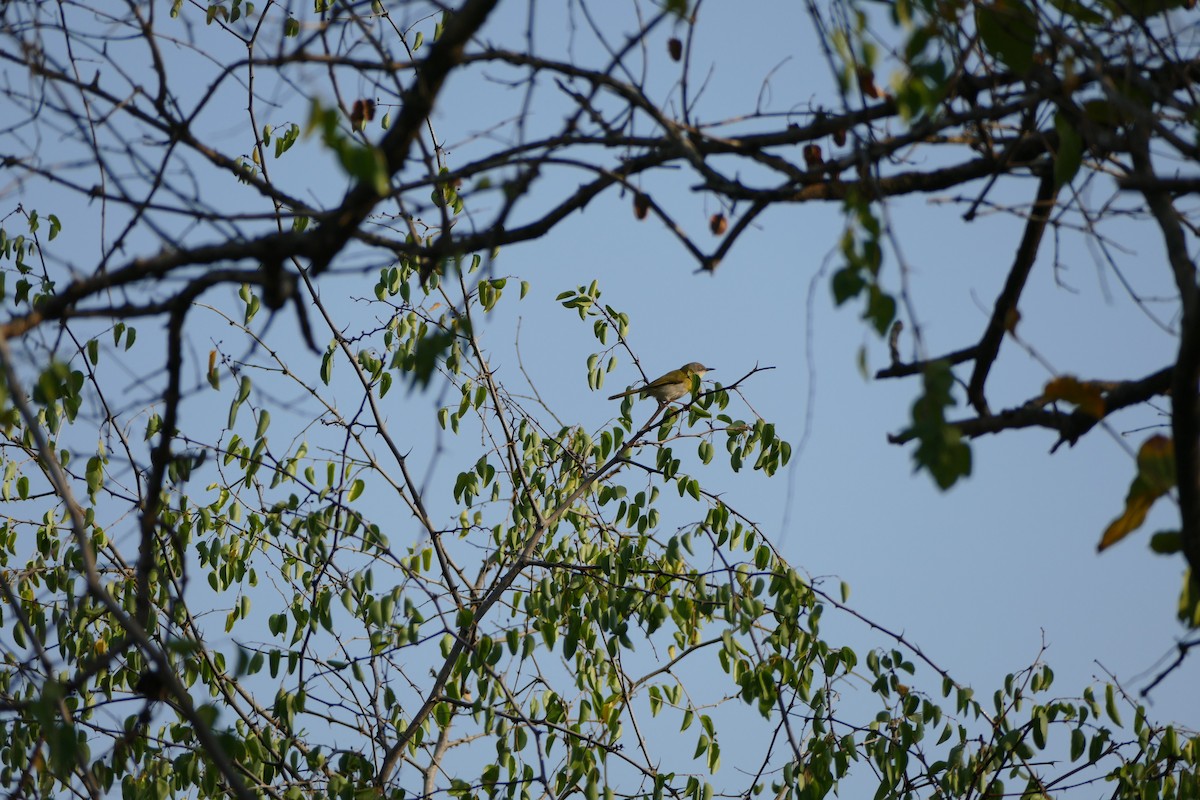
(1136, 507)
(1156, 464)
(1156, 477)
(1088, 396)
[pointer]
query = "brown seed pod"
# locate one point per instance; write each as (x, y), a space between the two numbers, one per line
(675, 48)
(866, 82)
(718, 224)
(812, 155)
(361, 113)
(641, 205)
(839, 137)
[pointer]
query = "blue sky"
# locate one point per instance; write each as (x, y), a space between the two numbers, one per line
(979, 576)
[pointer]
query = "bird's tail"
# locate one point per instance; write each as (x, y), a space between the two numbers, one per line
(625, 394)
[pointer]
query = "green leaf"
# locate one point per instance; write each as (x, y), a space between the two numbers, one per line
(1041, 726)
(1069, 156)
(1166, 542)
(1110, 704)
(94, 474)
(367, 164)
(1079, 11)
(429, 352)
(264, 421)
(940, 448)
(881, 309)
(242, 393)
(1189, 601)
(327, 367)
(1008, 30)
(1142, 9)
(847, 283)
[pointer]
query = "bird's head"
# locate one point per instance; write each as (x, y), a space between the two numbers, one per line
(695, 368)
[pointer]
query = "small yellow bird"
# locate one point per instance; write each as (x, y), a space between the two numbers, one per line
(672, 386)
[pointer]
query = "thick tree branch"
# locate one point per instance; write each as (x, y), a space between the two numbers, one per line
(63, 304)
(1185, 411)
(1142, 183)
(96, 587)
(468, 631)
(1006, 304)
(416, 105)
(160, 456)
(1070, 426)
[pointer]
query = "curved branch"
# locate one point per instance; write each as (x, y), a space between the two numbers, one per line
(1070, 426)
(96, 588)
(417, 103)
(1185, 397)
(1006, 303)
